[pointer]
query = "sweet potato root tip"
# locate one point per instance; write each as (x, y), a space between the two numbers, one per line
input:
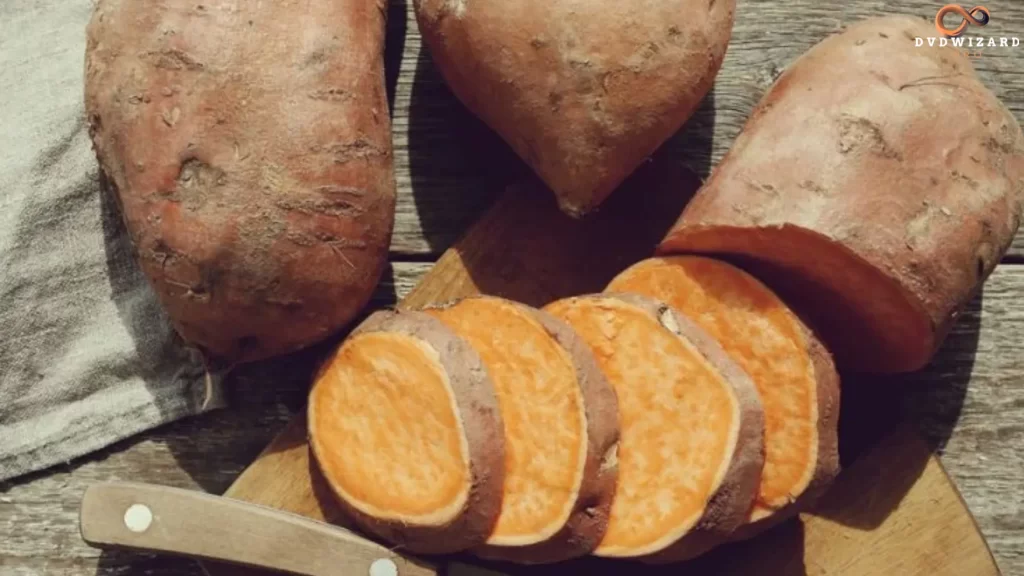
(788, 367)
(404, 424)
(679, 424)
(583, 92)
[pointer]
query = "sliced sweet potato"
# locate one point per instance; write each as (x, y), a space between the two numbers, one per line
(405, 426)
(691, 425)
(874, 188)
(561, 429)
(793, 373)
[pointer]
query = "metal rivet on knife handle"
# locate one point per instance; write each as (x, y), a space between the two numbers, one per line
(169, 520)
(383, 567)
(138, 518)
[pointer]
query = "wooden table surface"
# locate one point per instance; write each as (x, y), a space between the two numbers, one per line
(970, 402)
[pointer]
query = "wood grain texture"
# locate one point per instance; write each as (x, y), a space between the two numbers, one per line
(525, 249)
(842, 535)
(444, 185)
(172, 521)
(969, 402)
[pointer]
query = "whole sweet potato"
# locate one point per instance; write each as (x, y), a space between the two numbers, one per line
(582, 91)
(875, 187)
(249, 146)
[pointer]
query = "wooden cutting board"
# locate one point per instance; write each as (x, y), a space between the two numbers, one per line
(893, 511)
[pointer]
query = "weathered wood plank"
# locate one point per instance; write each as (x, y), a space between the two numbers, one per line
(525, 249)
(971, 401)
(971, 404)
(450, 167)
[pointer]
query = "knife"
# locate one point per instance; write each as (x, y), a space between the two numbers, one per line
(166, 520)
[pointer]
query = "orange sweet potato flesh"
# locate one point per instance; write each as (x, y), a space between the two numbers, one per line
(542, 408)
(404, 426)
(411, 473)
(875, 188)
(794, 375)
(561, 430)
(691, 427)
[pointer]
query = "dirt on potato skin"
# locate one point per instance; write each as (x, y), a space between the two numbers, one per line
(875, 187)
(583, 92)
(250, 152)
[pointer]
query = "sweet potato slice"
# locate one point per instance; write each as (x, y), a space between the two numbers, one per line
(793, 373)
(405, 427)
(691, 425)
(561, 429)
(874, 188)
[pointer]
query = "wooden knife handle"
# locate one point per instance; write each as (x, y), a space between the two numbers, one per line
(205, 527)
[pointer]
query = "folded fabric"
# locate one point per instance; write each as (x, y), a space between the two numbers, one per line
(87, 357)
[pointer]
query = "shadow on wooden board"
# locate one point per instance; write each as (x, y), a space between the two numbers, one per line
(873, 405)
(780, 552)
(394, 48)
(931, 400)
(457, 165)
(533, 253)
(935, 396)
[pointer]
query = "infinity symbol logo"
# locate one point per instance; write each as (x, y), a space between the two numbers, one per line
(979, 16)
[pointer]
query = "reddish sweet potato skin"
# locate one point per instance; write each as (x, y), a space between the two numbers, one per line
(883, 160)
(249, 148)
(589, 519)
(582, 91)
(481, 420)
